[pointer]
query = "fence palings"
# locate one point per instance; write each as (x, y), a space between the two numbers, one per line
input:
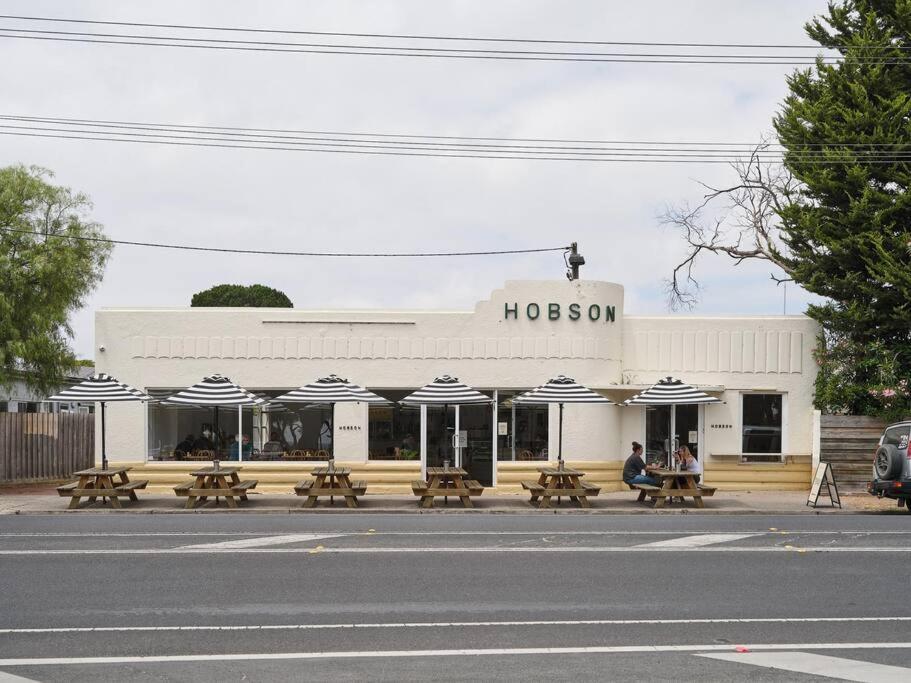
(36, 446)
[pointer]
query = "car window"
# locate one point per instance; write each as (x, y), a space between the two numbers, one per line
(896, 436)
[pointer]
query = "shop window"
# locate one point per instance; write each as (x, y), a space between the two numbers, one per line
(762, 427)
(394, 431)
(278, 433)
(29, 406)
(4, 406)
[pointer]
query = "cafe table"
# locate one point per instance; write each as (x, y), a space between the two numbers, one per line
(446, 482)
(215, 482)
(108, 484)
(559, 482)
(329, 482)
(676, 484)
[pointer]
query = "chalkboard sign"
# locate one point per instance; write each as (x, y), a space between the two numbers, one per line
(824, 476)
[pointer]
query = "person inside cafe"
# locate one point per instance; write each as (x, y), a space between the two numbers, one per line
(635, 471)
(202, 443)
(274, 444)
(247, 449)
(185, 446)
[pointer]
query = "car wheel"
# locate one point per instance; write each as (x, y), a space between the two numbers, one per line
(888, 462)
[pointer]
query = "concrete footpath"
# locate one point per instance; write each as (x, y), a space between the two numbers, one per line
(43, 499)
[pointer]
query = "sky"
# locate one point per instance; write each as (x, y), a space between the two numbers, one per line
(336, 202)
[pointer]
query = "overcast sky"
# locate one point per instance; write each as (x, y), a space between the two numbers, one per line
(301, 201)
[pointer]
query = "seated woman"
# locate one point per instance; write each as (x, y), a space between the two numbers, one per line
(689, 463)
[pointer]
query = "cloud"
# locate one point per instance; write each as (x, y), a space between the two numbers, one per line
(296, 201)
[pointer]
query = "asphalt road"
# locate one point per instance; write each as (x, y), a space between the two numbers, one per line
(280, 597)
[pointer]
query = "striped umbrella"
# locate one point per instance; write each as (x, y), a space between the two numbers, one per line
(217, 391)
(445, 391)
(99, 388)
(670, 392)
(560, 390)
(329, 391)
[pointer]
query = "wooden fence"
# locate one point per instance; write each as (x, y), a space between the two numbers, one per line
(849, 442)
(45, 446)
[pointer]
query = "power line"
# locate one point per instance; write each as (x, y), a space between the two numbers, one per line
(262, 252)
(406, 36)
(631, 155)
(109, 123)
(391, 51)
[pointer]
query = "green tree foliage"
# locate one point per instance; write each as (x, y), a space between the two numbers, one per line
(241, 296)
(43, 279)
(846, 129)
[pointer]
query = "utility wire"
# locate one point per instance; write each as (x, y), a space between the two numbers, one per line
(400, 36)
(630, 156)
(477, 154)
(263, 252)
(254, 132)
(391, 51)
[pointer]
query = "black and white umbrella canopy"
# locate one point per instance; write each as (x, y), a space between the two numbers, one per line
(331, 389)
(561, 389)
(445, 390)
(670, 391)
(99, 387)
(215, 390)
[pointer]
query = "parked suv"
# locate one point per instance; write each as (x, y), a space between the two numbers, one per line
(892, 465)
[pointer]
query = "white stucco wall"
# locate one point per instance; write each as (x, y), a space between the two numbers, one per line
(487, 348)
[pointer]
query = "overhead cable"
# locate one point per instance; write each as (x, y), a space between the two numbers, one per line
(266, 252)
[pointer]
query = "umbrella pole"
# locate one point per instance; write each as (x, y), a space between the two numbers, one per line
(560, 438)
(240, 429)
(104, 457)
(215, 435)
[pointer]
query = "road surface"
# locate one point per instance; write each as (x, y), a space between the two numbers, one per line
(90, 597)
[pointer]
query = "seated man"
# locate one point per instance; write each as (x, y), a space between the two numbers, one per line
(634, 466)
(247, 449)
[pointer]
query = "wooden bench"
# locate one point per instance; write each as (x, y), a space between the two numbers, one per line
(215, 483)
(447, 484)
(107, 484)
(244, 486)
(338, 484)
(184, 488)
(645, 490)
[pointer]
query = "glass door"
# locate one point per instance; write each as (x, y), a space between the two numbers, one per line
(522, 430)
(669, 427)
(440, 428)
(476, 444)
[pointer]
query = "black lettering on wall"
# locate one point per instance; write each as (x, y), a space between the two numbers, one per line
(532, 311)
(553, 311)
(574, 312)
(514, 309)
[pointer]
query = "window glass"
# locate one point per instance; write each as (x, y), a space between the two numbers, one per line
(394, 431)
(279, 432)
(28, 406)
(762, 420)
(4, 406)
(522, 430)
(896, 436)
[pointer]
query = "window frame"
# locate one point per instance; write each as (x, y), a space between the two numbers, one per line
(747, 456)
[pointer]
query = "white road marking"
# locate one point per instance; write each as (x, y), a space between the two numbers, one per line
(450, 624)
(651, 532)
(479, 652)
(695, 541)
(11, 678)
(258, 542)
(820, 665)
(189, 550)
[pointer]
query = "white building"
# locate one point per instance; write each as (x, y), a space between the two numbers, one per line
(524, 334)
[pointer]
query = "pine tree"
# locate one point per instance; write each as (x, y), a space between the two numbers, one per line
(846, 129)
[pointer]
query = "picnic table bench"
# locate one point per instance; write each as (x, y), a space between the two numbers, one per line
(674, 485)
(111, 484)
(558, 482)
(215, 482)
(446, 482)
(339, 484)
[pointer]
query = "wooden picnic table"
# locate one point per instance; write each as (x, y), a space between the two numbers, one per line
(675, 485)
(557, 482)
(446, 482)
(111, 484)
(215, 482)
(339, 484)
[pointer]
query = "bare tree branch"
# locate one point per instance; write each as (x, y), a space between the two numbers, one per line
(745, 226)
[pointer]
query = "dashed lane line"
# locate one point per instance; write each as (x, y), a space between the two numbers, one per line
(259, 542)
(695, 541)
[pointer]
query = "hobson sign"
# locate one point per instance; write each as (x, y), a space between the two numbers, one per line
(552, 311)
